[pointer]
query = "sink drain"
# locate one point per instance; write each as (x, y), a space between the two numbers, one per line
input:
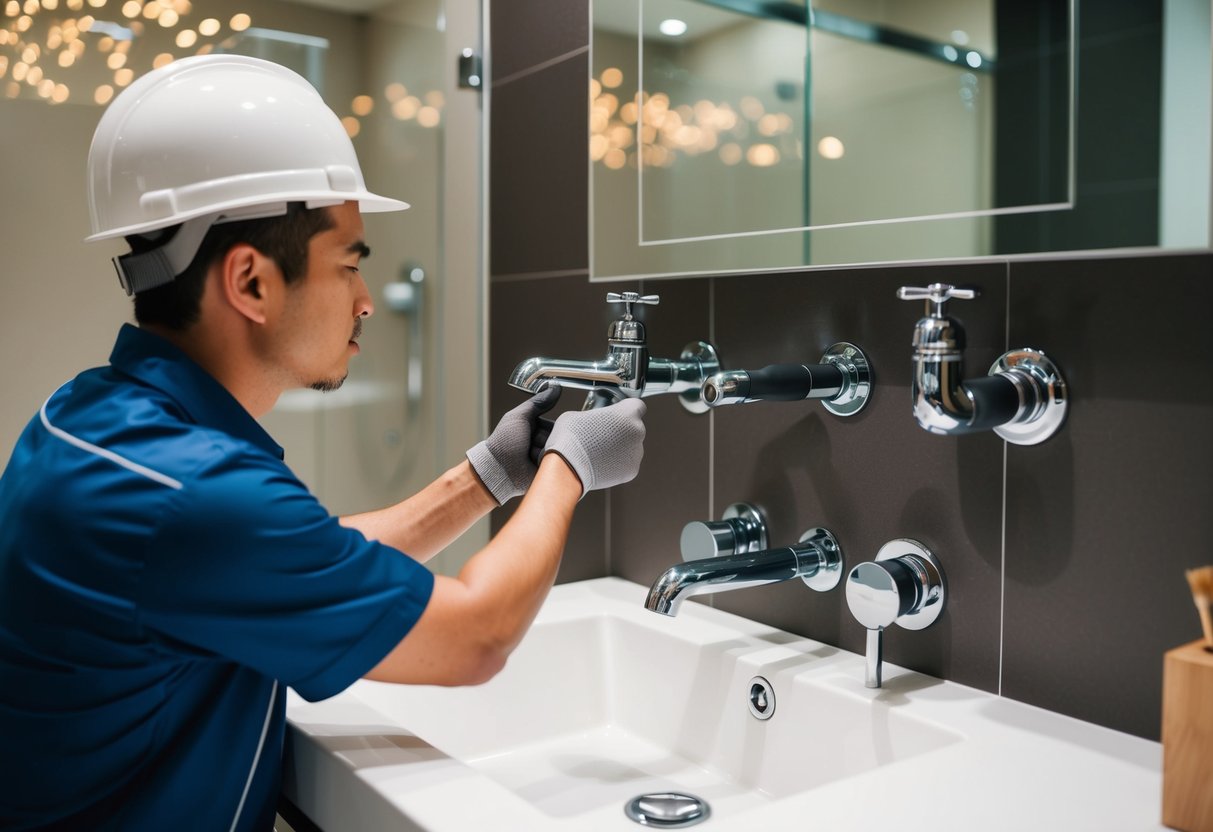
(762, 698)
(667, 810)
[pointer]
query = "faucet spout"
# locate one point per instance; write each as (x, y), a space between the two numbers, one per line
(614, 372)
(817, 560)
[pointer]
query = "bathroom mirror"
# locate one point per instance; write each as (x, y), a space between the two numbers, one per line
(741, 135)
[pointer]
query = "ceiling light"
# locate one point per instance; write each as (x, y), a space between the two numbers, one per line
(672, 27)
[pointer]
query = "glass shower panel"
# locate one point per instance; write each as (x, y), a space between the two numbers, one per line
(395, 425)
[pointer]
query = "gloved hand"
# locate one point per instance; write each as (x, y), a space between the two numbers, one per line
(506, 462)
(603, 446)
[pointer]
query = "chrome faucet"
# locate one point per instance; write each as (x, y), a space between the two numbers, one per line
(816, 560)
(628, 370)
(1022, 399)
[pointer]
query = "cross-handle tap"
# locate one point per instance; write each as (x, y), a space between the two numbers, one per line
(1023, 398)
(905, 586)
(628, 370)
(936, 295)
(629, 298)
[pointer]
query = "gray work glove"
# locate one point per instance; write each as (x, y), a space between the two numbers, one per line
(603, 446)
(506, 462)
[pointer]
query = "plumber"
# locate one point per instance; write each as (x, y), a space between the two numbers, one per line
(164, 577)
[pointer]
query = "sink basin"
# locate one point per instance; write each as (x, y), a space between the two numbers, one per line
(604, 701)
(596, 709)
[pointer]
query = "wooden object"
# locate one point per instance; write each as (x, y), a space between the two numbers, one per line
(1187, 738)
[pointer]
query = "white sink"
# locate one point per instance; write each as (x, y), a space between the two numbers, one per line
(604, 701)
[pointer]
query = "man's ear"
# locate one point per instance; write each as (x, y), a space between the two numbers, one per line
(249, 280)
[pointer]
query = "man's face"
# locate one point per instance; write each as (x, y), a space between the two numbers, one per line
(323, 312)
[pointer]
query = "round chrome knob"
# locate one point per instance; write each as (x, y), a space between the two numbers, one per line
(879, 593)
(742, 529)
(701, 539)
(904, 585)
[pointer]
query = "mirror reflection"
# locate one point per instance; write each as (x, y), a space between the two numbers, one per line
(741, 135)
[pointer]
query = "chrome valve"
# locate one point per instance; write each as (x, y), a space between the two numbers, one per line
(1023, 397)
(904, 586)
(742, 529)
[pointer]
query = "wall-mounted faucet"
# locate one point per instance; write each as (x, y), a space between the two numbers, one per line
(816, 560)
(904, 585)
(628, 370)
(842, 381)
(1023, 399)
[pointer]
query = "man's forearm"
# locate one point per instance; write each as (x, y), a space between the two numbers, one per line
(424, 524)
(473, 621)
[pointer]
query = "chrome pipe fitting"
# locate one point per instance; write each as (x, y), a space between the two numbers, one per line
(842, 381)
(1023, 398)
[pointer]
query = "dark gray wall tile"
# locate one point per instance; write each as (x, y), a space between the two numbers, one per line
(525, 34)
(1103, 518)
(538, 180)
(871, 477)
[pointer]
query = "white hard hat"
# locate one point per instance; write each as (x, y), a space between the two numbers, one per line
(217, 132)
(214, 138)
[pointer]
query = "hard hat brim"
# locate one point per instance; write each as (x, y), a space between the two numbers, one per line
(368, 203)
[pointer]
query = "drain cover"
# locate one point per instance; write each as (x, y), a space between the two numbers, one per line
(667, 810)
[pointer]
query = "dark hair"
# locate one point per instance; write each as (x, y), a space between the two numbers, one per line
(284, 239)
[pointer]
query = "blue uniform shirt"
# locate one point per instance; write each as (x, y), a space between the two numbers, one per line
(163, 577)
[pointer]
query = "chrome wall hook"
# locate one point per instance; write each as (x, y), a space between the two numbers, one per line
(1023, 398)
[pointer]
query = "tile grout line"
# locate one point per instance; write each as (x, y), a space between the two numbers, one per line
(1002, 579)
(712, 412)
(606, 549)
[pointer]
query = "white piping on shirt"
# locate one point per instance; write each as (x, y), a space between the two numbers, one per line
(265, 728)
(155, 476)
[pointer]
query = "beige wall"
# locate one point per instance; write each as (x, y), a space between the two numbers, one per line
(61, 306)
(61, 300)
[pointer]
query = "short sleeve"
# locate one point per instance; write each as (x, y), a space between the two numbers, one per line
(250, 567)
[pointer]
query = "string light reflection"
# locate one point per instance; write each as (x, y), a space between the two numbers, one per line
(52, 49)
(742, 132)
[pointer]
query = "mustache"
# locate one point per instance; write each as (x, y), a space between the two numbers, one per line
(357, 329)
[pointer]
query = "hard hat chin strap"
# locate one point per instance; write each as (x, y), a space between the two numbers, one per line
(138, 272)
